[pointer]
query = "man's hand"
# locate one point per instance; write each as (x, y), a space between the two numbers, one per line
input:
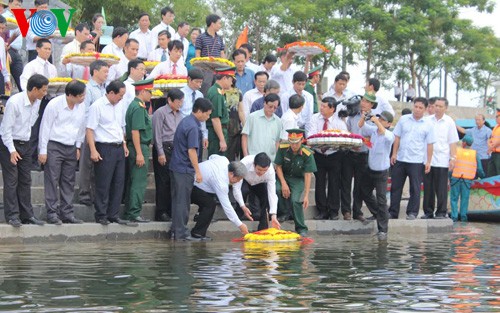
(78, 154)
(427, 167)
(8, 86)
(139, 160)
(125, 149)
(162, 159)
(205, 144)
(247, 212)
(14, 157)
(305, 204)
(95, 156)
(42, 158)
(274, 222)
(198, 178)
(223, 145)
(243, 229)
(285, 191)
(393, 160)
(452, 165)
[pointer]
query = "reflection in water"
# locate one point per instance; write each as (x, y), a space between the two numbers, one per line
(456, 272)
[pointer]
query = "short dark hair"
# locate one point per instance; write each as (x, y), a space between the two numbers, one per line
(238, 52)
(165, 10)
(341, 77)
(270, 58)
(74, 88)
(182, 24)
(203, 105)
(37, 81)
(405, 111)
(296, 101)
(260, 73)
(346, 74)
(119, 31)
(142, 15)
(446, 103)
(332, 103)
(432, 100)
(165, 32)
(84, 44)
(375, 83)
(212, 18)
(41, 2)
(80, 27)
(196, 29)
(271, 98)
(175, 94)
(115, 86)
(2, 20)
(299, 76)
(133, 64)
(247, 46)
(177, 44)
(40, 42)
(97, 65)
(262, 159)
(195, 73)
(422, 100)
(129, 40)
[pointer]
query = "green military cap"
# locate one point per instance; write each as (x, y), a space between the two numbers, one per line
(314, 71)
(230, 70)
(146, 84)
(295, 135)
(370, 96)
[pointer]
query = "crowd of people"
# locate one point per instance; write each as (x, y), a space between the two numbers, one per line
(251, 119)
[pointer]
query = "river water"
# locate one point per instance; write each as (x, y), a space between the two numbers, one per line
(455, 272)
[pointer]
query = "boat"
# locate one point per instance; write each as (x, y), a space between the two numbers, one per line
(484, 202)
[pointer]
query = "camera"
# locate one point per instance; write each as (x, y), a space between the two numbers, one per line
(368, 116)
(352, 107)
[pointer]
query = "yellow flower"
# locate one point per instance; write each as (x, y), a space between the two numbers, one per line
(212, 59)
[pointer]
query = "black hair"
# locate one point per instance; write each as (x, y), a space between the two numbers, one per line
(262, 159)
(346, 74)
(247, 46)
(74, 88)
(422, 100)
(375, 83)
(296, 101)
(446, 103)
(142, 15)
(271, 98)
(260, 73)
(40, 42)
(432, 100)
(195, 73)
(96, 16)
(41, 2)
(405, 111)
(238, 52)
(196, 29)
(203, 105)
(133, 64)
(37, 81)
(165, 32)
(165, 10)
(182, 24)
(175, 44)
(115, 86)
(84, 44)
(97, 65)
(2, 20)
(80, 27)
(119, 31)
(332, 103)
(270, 58)
(212, 18)
(129, 40)
(175, 94)
(299, 76)
(341, 77)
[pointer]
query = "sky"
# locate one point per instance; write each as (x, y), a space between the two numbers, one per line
(465, 98)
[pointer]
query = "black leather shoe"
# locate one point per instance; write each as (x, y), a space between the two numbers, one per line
(54, 221)
(334, 217)
(427, 216)
(72, 220)
(321, 216)
(360, 218)
(86, 202)
(164, 218)
(103, 221)
(33, 220)
(202, 238)
(123, 222)
(139, 220)
(15, 222)
(283, 218)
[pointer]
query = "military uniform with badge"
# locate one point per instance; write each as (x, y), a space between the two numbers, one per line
(294, 167)
(137, 119)
(311, 86)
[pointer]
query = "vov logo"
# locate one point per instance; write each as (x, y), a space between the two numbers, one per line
(44, 22)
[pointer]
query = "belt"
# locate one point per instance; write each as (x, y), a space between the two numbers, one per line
(113, 144)
(20, 142)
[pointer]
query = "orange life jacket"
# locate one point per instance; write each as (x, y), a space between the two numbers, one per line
(495, 137)
(466, 164)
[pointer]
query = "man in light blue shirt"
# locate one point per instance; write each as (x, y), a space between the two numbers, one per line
(244, 76)
(414, 136)
(480, 134)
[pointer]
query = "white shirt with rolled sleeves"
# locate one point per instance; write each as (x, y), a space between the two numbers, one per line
(167, 67)
(289, 121)
(414, 136)
(446, 134)
(284, 78)
(253, 179)
(216, 180)
(62, 124)
(315, 126)
(116, 71)
(383, 105)
(307, 111)
(107, 121)
(72, 47)
(147, 42)
(112, 48)
(36, 66)
(19, 116)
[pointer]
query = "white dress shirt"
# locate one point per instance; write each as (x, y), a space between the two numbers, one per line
(158, 28)
(284, 78)
(129, 95)
(248, 99)
(445, 132)
(117, 70)
(112, 48)
(187, 106)
(253, 179)
(167, 67)
(383, 105)
(254, 67)
(185, 43)
(216, 180)
(37, 66)
(19, 116)
(62, 124)
(289, 121)
(72, 47)
(307, 111)
(107, 121)
(146, 42)
(156, 54)
(3, 61)
(315, 126)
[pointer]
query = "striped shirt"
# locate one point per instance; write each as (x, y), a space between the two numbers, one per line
(210, 46)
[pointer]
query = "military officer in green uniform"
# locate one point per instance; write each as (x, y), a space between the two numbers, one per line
(314, 78)
(218, 122)
(294, 167)
(139, 135)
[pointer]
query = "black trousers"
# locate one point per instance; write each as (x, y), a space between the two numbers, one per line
(360, 173)
(16, 67)
(35, 129)
(16, 182)
(260, 192)
(163, 196)
(109, 180)
(401, 170)
(436, 185)
(346, 174)
(206, 203)
(378, 180)
(328, 174)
